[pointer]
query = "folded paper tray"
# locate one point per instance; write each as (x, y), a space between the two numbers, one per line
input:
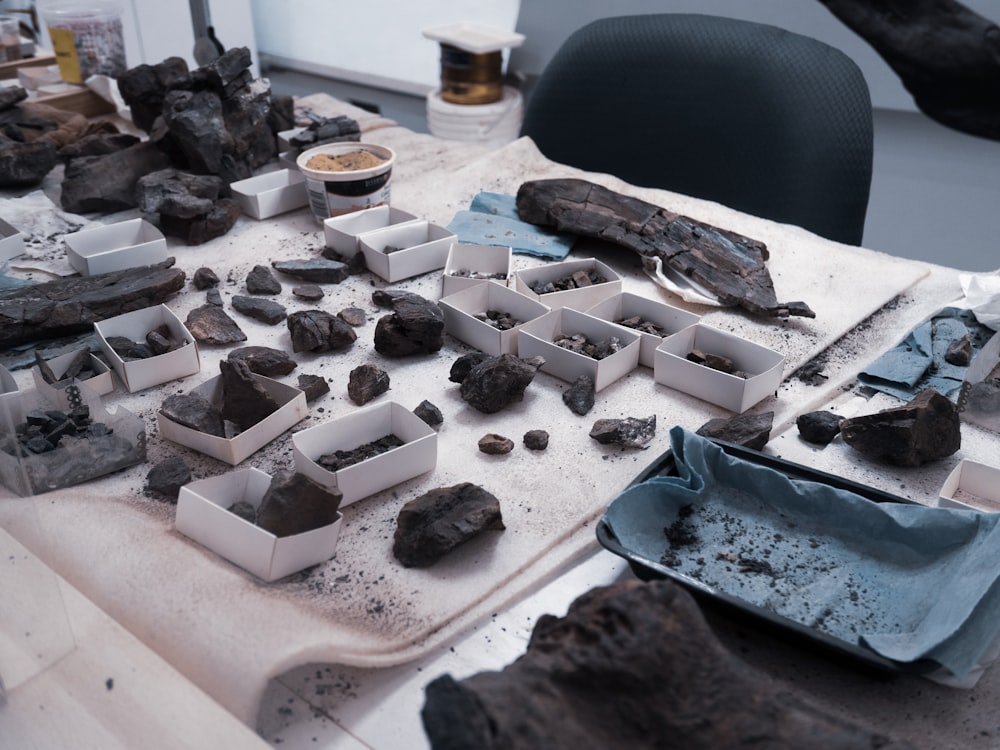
(647, 568)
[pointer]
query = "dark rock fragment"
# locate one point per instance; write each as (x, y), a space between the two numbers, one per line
(144, 87)
(631, 665)
(536, 440)
(432, 525)
(245, 402)
(168, 476)
(819, 427)
(631, 432)
(213, 297)
(749, 430)
(160, 342)
(294, 504)
(211, 324)
(460, 367)
(309, 292)
(265, 310)
(260, 280)
(415, 326)
(244, 509)
(580, 396)
(263, 360)
(342, 458)
(327, 130)
(313, 386)
(497, 382)
(429, 413)
(97, 144)
(319, 331)
(25, 164)
(178, 193)
(959, 352)
(495, 445)
(318, 270)
(11, 95)
(108, 183)
(353, 316)
(191, 410)
(200, 229)
(205, 278)
(925, 429)
(366, 382)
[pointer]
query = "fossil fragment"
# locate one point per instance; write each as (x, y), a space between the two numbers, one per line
(415, 326)
(366, 382)
(294, 504)
(265, 310)
(210, 324)
(497, 382)
(245, 402)
(319, 331)
(317, 270)
(264, 360)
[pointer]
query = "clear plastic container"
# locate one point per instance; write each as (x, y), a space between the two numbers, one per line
(87, 37)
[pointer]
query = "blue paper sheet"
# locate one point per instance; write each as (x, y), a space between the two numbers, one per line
(492, 219)
(907, 581)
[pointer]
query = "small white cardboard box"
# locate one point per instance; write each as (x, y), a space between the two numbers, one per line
(423, 247)
(100, 384)
(140, 374)
(271, 193)
(626, 305)
(470, 264)
(972, 485)
(287, 159)
(10, 399)
(580, 298)
(762, 365)
(535, 338)
(342, 231)
(11, 241)
(115, 247)
(460, 310)
(203, 515)
(285, 137)
(232, 450)
(417, 455)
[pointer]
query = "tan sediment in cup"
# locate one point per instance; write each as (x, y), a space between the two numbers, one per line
(346, 177)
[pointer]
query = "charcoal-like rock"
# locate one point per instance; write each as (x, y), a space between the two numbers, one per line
(749, 430)
(168, 476)
(196, 123)
(97, 144)
(429, 413)
(631, 665)
(245, 402)
(263, 360)
(959, 352)
(244, 509)
(309, 292)
(925, 429)
(260, 280)
(211, 324)
(327, 130)
(366, 382)
(205, 278)
(223, 71)
(460, 367)
(318, 270)
(191, 410)
(144, 87)
(108, 183)
(265, 310)
(199, 229)
(342, 458)
(432, 525)
(580, 396)
(178, 193)
(536, 440)
(11, 95)
(159, 343)
(294, 504)
(415, 326)
(25, 164)
(819, 427)
(630, 432)
(213, 297)
(319, 331)
(497, 382)
(353, 316)
(495, 445)
(313, 386)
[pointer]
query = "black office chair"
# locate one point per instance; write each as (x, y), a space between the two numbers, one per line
(758, 118)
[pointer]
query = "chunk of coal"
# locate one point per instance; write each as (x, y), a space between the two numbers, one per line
(342, 458)
(536, 440)
(160, 341)
(294, 504)
(263, 360)
(313, 386)
(318, 270)
(749, 430)
(434, 524)
(429, 413)
(353, 316)
(715, 361)
(580, 396)
(265, 310)
(495, 445)
(460, 367)
(108, 183)
(319, 331)
(143, 87)
(309, 292)
(211, 324)
(191, 410)
(327, 130)
(497, 382)
(11, 95)
(630, 432)
(245, 402)
(631, 665)
(213, 297)
(178, 193)
(819, 427)
(204, 278)
(168, 476)
(415, 326)
(244, 509)
(925, 429)
(959, 352)
(201, 228)
(260, 280)
(366, 382)
(25, 164)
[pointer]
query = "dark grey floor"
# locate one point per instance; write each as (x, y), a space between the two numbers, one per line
(935, 192)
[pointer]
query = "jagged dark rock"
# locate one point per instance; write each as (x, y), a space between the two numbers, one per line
(313, 386)
(925, 429)
(630, 432)
(818, 427)
(631, 665)
(168, 476)
(144, 87)
(265, 310)
(178, 193)
(318, 270)
(498, 382)
(214, 297)
(366, 382)
(434, 524)
(11, 95)
(25, 164)
(260, 280)
(108, 183)
(353, 316)
(536, 440)
(495, 445)
(460, 367)
(191, 410)
(319, 331)
(198, 230)
(205, 278)
(327, 130)
(429, 413)
(749, 430)
(959, 352)
(97, 144)
(309, 292)
(415, 326)
(581, 395)
(211, 324)
(245, 402)
(294, 504)
(263, 360)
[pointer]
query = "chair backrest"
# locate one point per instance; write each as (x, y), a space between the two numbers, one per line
(758, 118)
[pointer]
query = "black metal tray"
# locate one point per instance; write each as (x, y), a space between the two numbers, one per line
(732, 606)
